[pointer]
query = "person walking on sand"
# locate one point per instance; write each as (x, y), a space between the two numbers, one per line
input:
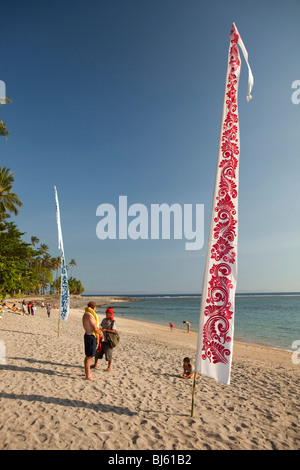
(188, 325)
(108, 325)
(92, 335)
(48, 308)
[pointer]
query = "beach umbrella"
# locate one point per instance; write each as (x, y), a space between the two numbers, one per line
(216, 324)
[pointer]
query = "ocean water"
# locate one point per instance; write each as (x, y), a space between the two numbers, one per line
(264, 319)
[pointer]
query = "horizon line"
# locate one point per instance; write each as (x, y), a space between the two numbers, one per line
(188, 293)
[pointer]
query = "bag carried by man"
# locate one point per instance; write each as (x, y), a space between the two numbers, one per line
(113, 338)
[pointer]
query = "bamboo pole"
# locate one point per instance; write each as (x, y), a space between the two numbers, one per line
(193, 396)
(58, 324)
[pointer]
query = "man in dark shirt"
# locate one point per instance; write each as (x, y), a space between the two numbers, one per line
(108, 324)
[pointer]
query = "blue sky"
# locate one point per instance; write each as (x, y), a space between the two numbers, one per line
(125, 98)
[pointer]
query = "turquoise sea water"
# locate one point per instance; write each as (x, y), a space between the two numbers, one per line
(265, 319)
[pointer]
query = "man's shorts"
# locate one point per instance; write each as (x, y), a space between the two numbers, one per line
(105, 349)
(90, 345)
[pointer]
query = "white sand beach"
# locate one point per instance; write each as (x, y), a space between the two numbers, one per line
(45, 402)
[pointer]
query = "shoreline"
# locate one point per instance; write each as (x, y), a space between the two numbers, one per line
(267, 346)
(102, 301)
(238, 345)
(76, 301)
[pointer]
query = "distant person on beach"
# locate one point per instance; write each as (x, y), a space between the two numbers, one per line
(171, 326)
(29, 308)
(24, 306)
(188, 369)
(48, 308)
(188, 325)
(108, 325)
(32, 308)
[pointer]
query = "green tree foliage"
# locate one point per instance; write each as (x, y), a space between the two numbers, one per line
(9, 201)
(75, 286)
(24, 267)
(17, 273)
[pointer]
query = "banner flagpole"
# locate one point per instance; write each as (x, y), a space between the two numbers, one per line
(193, 396)
(64, 286)
(216, 322)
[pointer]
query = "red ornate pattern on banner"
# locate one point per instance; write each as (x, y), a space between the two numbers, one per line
(219, 310)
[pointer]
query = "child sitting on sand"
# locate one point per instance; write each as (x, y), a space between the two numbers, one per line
(188, 369)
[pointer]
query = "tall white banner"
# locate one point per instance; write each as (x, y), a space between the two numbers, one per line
(216, 325)
(64, 291)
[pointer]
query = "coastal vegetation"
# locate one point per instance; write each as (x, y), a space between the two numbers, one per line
(25, 268)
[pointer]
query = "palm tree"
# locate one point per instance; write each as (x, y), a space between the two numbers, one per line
(56, 265)
(72, 264)
(47, 262)
(44, 248)
(9, 202)
(34, 240)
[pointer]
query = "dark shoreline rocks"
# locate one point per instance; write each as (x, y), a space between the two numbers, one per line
(76, 301)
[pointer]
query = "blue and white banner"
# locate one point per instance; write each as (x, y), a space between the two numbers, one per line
(64, 288)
